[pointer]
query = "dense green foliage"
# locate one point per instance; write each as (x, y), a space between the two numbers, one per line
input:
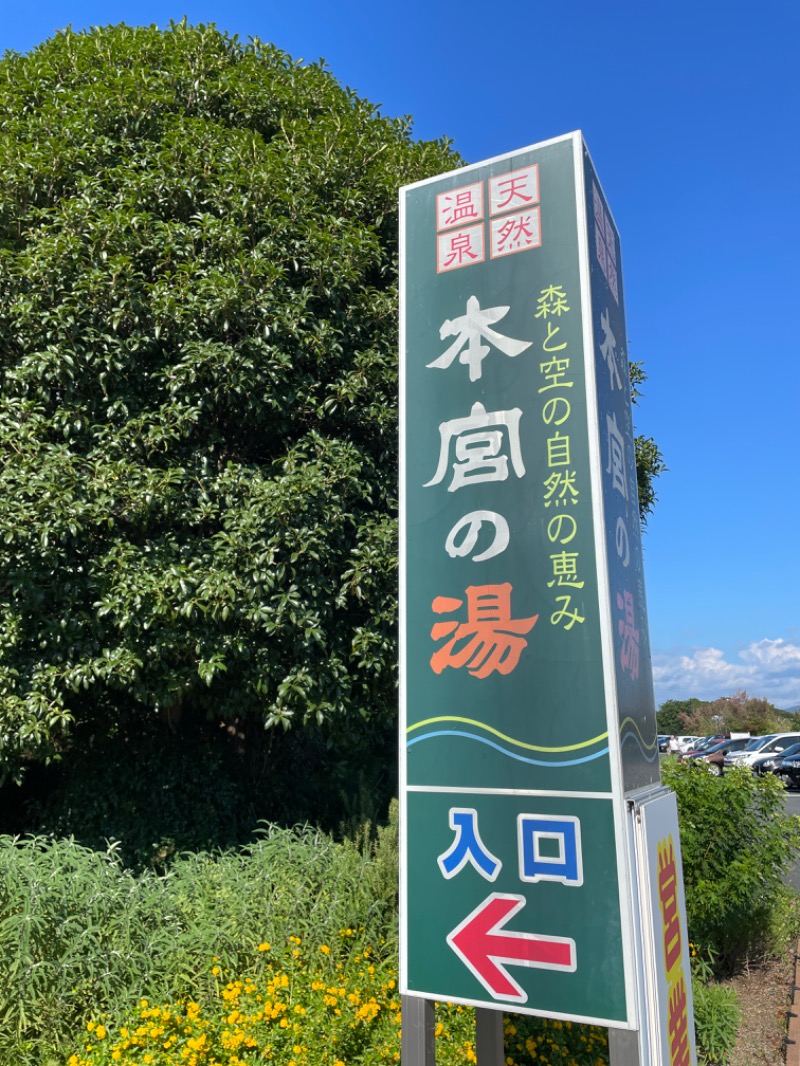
(155, 794)
(198, 245)
(737, 842)
(739, 713)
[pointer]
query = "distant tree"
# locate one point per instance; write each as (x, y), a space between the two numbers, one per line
(198, 304)
(672, 714)
(738, 713)
(649, 460)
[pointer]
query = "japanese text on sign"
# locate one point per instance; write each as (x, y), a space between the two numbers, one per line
(513, 198)
(561, 488)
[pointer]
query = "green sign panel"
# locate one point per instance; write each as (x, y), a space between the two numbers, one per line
(526, 698)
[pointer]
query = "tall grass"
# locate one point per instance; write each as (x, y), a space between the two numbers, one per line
(80, 934)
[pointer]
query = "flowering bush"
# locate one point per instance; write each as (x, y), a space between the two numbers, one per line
(298, 1006)
(312, 1006)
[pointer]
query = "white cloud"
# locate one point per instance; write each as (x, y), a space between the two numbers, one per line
(769, 669)
(773, 654)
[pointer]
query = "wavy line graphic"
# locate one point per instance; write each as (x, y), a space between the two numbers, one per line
(502, 736)
(505, 751)
(635, 724)
(649, 756)
(631, 721)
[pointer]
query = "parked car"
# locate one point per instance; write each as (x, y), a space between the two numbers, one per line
(789, 770)
(752, 745)
(685, 742)
(772, 762)
(704, 743)
(713, 758)
(772, 744)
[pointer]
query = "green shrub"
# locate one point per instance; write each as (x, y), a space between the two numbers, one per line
(737, 842)
(81, 935)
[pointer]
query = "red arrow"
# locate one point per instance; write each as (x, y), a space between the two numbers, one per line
(481, 945)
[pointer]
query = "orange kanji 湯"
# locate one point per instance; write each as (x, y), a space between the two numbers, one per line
(490, 640)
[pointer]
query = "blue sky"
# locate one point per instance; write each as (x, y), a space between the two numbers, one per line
(690, 112)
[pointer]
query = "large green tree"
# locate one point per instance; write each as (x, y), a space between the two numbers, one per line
(198, 280)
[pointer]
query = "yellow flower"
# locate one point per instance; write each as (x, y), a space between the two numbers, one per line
(100, 1032)
(264, 946)
(324, 949)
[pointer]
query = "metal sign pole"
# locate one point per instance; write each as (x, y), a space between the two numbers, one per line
(418, 1039)
(623, 1048)
(489, 1049)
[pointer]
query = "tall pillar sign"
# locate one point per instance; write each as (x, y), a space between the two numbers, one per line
(526, 694)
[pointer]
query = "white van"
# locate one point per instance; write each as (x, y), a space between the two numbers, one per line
(771, 744)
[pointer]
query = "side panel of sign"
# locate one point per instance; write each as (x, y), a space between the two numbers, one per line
(665, 937)
(512, 879)
(632, 663)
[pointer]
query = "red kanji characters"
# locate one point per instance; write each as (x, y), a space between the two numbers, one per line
(629, 652)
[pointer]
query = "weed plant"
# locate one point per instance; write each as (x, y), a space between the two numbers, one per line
(717, 1011)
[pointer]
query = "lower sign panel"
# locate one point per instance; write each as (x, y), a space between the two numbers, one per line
(514, 899)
